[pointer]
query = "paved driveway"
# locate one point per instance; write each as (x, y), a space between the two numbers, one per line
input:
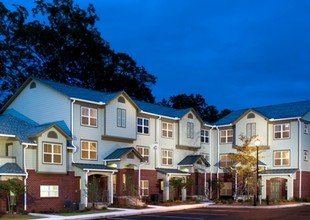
(295, 213)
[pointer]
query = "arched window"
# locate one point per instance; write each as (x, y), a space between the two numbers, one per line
(251, 115)
(52, 134)
(190, 115)
(33, 85)
(121, 99)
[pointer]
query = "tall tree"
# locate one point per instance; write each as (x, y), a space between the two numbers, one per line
(197, 102)
(64, 45)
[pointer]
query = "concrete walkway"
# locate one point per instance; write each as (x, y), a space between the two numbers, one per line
(156, 209)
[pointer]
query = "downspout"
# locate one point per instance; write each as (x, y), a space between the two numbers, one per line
(210, 158)
(156, 147)
(72, 131)
(25, 179)
(299, 158)
(218, 153)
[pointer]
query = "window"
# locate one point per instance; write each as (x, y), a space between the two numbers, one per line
(251, 115)
(306, 157)
(281, 158)
(52, 134)
(114, 183)
(167, 130)
(131, 155)
(306, 130)
(250, 130)
(226, 136)
(190, 130)
(121, 99)
(143, 125)
(144, 184)
(190, 115)
(33, 85)
(166, 157)
(226, 190)
(204, 136)
(49, 191)
(225, 161)
(281, 131)
(52, 153)
(89, 116)
(89, 150)
(121, 118)
(145, 152)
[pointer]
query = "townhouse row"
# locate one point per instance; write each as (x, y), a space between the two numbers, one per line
(64, 142)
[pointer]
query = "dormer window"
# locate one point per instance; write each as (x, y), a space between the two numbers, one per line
(190, 115)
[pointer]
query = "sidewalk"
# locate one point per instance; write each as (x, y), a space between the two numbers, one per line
(125, 212)
(157, 209)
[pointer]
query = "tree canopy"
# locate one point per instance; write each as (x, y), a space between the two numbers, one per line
(64, 45)
(207, 112)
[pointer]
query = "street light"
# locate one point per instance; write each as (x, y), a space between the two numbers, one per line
(257, 144)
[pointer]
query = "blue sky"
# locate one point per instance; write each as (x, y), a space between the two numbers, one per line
(236, 54)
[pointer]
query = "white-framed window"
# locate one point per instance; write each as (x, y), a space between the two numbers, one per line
(52, 153)
(144, 184)
(225, 161)
(49, 191)
(281, 131)
(281, 158)
(121, 118)
(190, 130)
(166, 157)
(88, 150)
(250, 130)
(226, 136)
(88, 116)
(167, 130)
(226, 189)
(204, 136)
(306, 155)
(143, 125)
(306, 129)
(145, 152)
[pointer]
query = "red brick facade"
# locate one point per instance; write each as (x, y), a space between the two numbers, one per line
(69, 190)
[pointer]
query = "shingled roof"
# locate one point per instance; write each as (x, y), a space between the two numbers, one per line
(280, 111)
(11, 168)
(120, 152)
(190, 160)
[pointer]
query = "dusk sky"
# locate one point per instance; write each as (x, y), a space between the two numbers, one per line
(235, 53)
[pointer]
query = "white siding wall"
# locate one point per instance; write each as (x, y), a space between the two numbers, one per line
(183, 139)
(42, 104)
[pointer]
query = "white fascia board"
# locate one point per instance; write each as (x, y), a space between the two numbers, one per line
(284, 119)
(87, 101)
(157, 115)
(7, 135)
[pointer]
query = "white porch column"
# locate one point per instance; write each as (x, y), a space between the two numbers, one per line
(166, 188)
(183, 194)
(263, 187)
(110, 188)
(290, 187)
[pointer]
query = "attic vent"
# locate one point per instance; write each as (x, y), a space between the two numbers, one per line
(121, 99)
(33, 85)
(190, 115)
(251, 115)
(52, 134)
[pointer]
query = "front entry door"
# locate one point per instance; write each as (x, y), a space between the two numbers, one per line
(275, 190)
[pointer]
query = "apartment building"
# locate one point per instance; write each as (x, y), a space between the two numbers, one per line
(63, 134)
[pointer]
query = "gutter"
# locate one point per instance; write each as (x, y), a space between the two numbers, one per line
(160, 116)
(285, 119)
(25, 179)
(87, 101)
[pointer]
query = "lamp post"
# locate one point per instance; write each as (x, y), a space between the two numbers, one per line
(257, 144)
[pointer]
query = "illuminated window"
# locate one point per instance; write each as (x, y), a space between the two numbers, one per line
(144, 184)
(281, 158)
(89, 150)
(167, 130)
(225, 161)
(281, 131)
(226, 136)
(49, 191)
(166, 157)
(52, 153)
(89, 116)
(250, 130)
(226, 189)
(145, 152)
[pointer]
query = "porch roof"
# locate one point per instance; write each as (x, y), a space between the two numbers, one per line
(11, 169)
(190, 160)
(278, 171)
(171, 171)
(98, 167)
(120, 152)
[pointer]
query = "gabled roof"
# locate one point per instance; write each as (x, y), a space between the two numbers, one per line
(73, 92)
(11, 169)
(23, 130)
(171, 171)
(97, 167)
(280, 111)
(190, 160)
(120, 152)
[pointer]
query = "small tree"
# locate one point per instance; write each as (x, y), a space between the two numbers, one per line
(178, 184)
(12, 188)
(245, 161)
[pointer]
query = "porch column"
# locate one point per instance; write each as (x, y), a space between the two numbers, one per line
(110, 188)
(166, 188)
(290, 187)
(263, 187)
